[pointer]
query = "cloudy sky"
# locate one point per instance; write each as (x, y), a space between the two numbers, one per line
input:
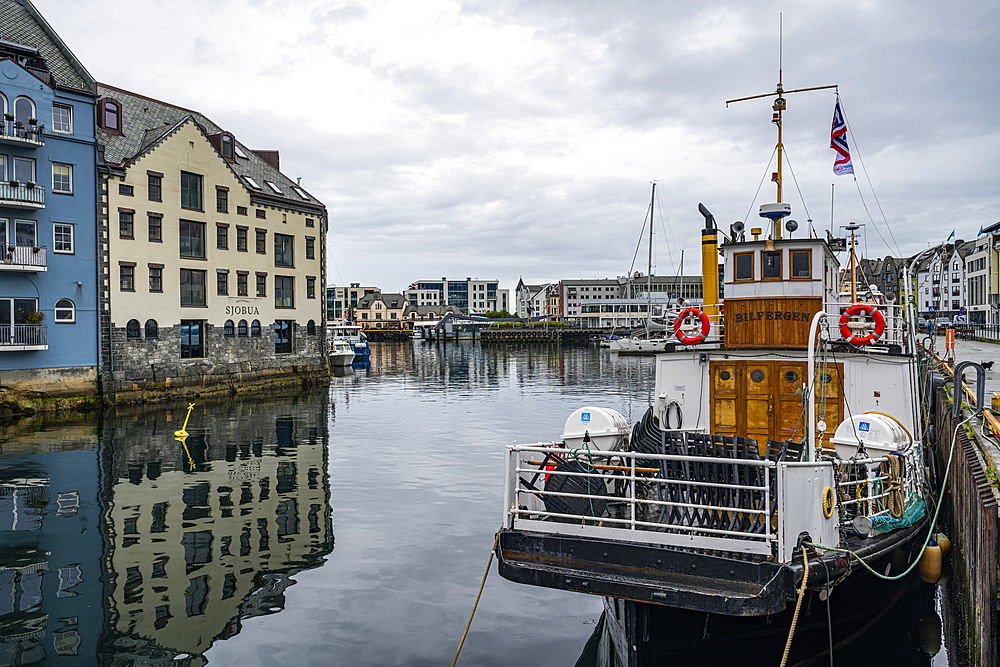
(507, 139)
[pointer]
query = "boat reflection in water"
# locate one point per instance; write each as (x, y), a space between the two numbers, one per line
(168, 545)
(906, 632)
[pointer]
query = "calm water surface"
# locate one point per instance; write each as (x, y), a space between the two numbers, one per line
(346, 526)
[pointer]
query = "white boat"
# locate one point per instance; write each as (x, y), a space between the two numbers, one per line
(783, 457)
(355, 335)
(341, 352)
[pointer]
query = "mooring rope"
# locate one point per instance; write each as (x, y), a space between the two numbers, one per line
(496, 540)
(798, 605)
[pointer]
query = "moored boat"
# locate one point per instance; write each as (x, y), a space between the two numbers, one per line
(355, 335)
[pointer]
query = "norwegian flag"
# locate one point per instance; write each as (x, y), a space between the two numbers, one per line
(838, 142)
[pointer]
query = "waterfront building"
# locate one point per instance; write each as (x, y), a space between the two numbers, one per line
(48, 270)
(469, 295)
(342, 302)
(885, 274)
(382, 310)
(531, 300)
(625, 302)
(941, 281)
(429, 314)
(982, 275)
(212, 260)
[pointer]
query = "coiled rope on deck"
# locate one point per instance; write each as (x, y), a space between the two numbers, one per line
(496, 540)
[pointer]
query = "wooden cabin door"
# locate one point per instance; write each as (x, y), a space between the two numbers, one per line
(763, 399)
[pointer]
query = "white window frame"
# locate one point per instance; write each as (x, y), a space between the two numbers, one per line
(34, 224)
(274, 187)
(70, 167)
(252, 183)
(56, 309)
(72, 238)
(3, 167)
(34, 109)
(69, 109)
(34, 167)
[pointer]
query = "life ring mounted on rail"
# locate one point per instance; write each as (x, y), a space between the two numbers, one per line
(866, 331)
(692, 326)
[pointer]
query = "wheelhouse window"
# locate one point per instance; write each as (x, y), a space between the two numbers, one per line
(282, 336)
(283, 250)
(770, 265)
(190, 191)
(284, 292)
(801, 263)
(743, 266)
(62, 119)
(192, 235)
(65, 311)
(192, 287)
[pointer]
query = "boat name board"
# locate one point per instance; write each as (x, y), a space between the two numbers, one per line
(769, 322)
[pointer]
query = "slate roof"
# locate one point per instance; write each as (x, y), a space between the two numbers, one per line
(390, 299)
(146, 121)
(22, 24)
(423, 311)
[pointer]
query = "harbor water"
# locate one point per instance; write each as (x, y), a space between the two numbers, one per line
(347, 525)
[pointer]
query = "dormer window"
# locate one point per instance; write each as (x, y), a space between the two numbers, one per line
(274, 187)
(227, 146)
(253, 183)
(109, 115)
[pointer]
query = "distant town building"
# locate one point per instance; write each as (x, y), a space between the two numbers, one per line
(470, 295)
(531, 300)
(212, 260)
(982, 275)
(342, 302)
(625, 302)
(48, 210)
(941, 281)
(885, 274)
(382, 310)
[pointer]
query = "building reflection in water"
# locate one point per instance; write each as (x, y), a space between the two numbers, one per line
(204, 533)
(122, 545)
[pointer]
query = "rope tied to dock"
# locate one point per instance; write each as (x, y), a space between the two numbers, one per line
(496, 540)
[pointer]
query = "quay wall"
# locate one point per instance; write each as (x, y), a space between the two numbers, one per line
(972, 522)
(539, 335)
(151, 369)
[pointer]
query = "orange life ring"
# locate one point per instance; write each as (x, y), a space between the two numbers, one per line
(698, 336)
(869, 310)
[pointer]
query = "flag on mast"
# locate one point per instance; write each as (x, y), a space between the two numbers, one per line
(838, 142)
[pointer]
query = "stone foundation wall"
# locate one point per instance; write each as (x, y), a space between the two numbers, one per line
(145, 369)
(72, 381)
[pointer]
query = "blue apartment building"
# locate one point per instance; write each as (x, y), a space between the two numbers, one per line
(48, 211)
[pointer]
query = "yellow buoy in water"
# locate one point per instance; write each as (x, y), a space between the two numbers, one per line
(930, 563)
(944, 543)
(182, 433)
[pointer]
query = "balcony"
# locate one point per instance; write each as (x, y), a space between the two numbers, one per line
(22, 195)
(23, 337)
(14, 133)
(23, 258)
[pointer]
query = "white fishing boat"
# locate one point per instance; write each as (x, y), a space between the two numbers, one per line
(783, 458)
(341, 352)
(354, 335)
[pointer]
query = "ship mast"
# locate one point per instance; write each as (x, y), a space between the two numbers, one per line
(778, 107)
(850, 273)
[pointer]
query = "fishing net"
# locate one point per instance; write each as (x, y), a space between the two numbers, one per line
(914, 511)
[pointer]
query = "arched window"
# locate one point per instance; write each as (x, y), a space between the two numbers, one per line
(241, 328)
(3, 104)
(23, 110)
(132, 329)
(311, 328)
(152, 330)
(229, 329)
(255, 328)
(65, 311)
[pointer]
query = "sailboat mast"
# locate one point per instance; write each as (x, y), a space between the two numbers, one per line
(649, 270)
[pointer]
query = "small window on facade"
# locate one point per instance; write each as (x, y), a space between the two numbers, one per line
(261, 242)
(229, 329)
(155, 228)
(192, 239)
(126, 224)
(126, 190)
(154, 187)
(62, 178)
(311, 328)
(62, 238)
(132, 329)
(255, 328)
(744, 266)
(62, 119)
(241, 210)
(261, 284)
(222, 283)
(310, 287)
(152, 330)
(241, 239)
(126, 275)
(227, 147)
(222, 237)
(310, 248)
(221, 200)
(155, 279)
(65, 311)
(770, 268)
(190, 191)
(241, 328)
(261, 214)
(800, 263)
(310, 222)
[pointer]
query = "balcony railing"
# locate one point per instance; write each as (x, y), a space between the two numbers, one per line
(15, 133)
(22, 195)
(17, 337)
(22, 258)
